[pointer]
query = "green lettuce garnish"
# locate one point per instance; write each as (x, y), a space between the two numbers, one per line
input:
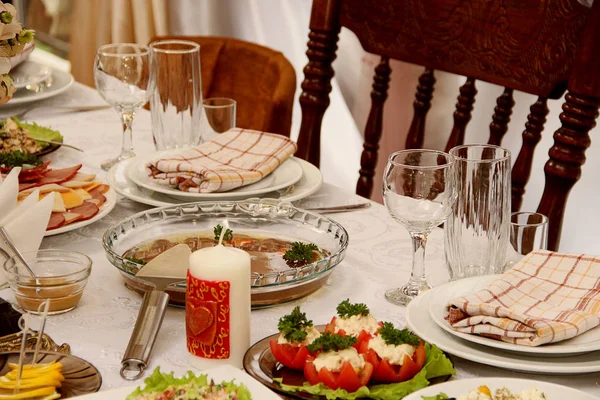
(441, 396)
(160, 381)
(436, 364)
(36, 131)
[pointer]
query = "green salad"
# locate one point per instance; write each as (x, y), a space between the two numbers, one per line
(189, 387)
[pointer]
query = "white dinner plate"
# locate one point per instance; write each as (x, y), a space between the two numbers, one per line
(462, 387)
(218, 374)
(109, 204)
(118, 178)
(421, 323)
(61, 81)
(442, 295)
(288, 173)
(29, 73)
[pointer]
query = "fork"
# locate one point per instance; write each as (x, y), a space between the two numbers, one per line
(64, 108)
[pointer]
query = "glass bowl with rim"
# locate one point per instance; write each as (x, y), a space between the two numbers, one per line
(60, 276)
(264, 218)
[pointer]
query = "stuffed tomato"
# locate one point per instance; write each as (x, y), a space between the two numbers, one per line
(353, 319)
(296, 332)
(396, 355)
(337, 364)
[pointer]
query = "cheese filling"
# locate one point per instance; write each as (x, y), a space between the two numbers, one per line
(394, 354)
(311, 334)
(357, 323)
(333, 360)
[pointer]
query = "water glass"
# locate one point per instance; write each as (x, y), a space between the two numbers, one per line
(418, 190)
(528, 232)
(219, 116)
(124, 78)
(176, 104)
(477, 231)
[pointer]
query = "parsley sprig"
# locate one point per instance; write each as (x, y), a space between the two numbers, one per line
(396, 337)
(346, 309)
(217, 231)
(18, 159)
(331, 342)
(293, 326)
(300, 254)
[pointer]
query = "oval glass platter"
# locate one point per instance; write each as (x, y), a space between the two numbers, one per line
(81, 377)
(281, 222)
(260, 363)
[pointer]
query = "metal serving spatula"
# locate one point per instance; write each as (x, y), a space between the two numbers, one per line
(167, 268)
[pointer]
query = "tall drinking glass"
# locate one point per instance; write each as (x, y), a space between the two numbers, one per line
(418, 190)
(176, 104)
(124, 78)
(219, 116)
(477, 231)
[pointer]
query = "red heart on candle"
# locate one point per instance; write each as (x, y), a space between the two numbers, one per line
(199, 319)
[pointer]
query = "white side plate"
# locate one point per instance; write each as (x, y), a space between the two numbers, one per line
(61, 82)
(29, 73)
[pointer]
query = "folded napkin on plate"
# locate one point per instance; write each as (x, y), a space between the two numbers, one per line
(547, 297)
(235, 158)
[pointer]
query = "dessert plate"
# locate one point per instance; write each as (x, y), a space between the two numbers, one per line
(58, 83)
(421, 323)
(442, 295)
(29, 73)
(288, 173)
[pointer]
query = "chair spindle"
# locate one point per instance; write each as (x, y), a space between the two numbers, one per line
(462, 115)
(501, 117)
(531, 136)
(421, 105)
(567, 155)
(373, 128)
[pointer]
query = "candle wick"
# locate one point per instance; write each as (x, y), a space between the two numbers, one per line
(224, 230)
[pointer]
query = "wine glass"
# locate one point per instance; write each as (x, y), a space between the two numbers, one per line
(419, 192)
(125, 79)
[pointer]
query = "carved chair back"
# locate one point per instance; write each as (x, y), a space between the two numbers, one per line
(542, 47)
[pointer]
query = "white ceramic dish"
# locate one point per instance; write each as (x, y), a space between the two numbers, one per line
(220, 374)
(61, 82)
(29, 73)
(109, 204)
(118, 179)
(420, 322)
(288, 173)
(440, 296)
(462, 387)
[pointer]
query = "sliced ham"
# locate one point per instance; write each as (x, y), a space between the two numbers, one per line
(28, 185)
(87, 210)
(96, 195)
(102, 188)
(56, 221)
(59, 175)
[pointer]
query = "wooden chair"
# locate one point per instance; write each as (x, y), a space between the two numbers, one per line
(261, 80)
(540, 47)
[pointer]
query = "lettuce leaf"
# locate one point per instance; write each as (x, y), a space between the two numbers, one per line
(436, 364)
(36, 131)
(441, 396)
(159, 382)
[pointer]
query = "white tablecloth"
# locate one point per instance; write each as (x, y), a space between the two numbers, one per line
(379, 255)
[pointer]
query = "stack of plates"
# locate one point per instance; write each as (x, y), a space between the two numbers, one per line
(293, 180)
(425, 316)
(35, 81)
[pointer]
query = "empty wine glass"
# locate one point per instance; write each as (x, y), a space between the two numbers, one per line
(125, 79)
(419, 192)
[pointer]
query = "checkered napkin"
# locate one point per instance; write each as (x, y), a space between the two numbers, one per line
(235, 158)
(545, 298)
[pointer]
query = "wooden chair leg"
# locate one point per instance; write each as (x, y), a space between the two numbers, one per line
(462, 115)
(316, 87)
(501, 117)
(567, 155)
(373, 129)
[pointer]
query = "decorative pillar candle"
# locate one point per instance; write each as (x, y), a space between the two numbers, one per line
(217, 312)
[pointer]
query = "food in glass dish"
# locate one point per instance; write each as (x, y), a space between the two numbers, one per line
(296, 332)
(38, 381)
(267, 253)
(484, 393)
(162, 386)
(369, 359)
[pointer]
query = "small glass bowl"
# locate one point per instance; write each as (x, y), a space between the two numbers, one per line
(60, 276)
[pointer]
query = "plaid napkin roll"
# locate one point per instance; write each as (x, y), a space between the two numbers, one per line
(547, 297)
(235, 158)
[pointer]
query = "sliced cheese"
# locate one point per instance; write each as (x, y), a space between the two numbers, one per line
(73, 184)
(51, 187)
(84, 195)
(80, 176)
(71, 217)
(92, 186)
(59, 204)
(71, 199)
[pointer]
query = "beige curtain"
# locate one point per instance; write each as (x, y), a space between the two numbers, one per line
(98, 22)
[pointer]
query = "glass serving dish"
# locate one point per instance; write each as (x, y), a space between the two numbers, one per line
(254, 217)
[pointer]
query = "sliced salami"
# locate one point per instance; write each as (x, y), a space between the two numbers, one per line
(87, 210)
(56, 221)
(59, 175)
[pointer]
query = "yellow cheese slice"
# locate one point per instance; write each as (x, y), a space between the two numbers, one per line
(80, 176)
(73, 184)
(51, 187)
(71, 199)
(84, 195)
(59, 204)
(92, 186)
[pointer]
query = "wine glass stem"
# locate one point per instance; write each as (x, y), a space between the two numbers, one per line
(127, 121)
(417, 277)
